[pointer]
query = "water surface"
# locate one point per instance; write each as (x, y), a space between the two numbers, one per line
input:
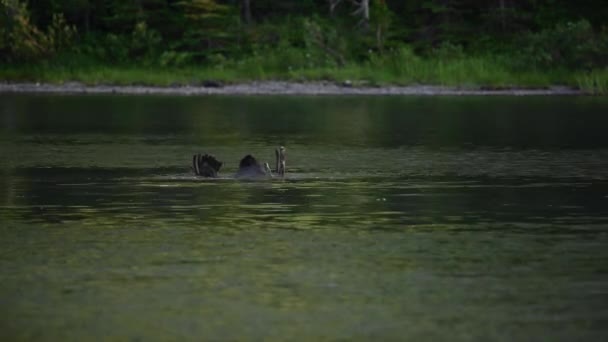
(450, 218)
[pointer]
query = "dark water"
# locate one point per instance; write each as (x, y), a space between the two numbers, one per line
(466, 218)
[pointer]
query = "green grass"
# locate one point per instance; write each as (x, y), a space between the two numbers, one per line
(594, 82)
(398, 68)
(117, 75)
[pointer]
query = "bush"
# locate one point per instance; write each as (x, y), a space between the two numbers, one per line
(325, 40)
(60, 36)
(573, 45)
(448, 51)
(144, 42)
(174, 58)
(401, 61)
(21, 41)
(595, 82)
(142, 45)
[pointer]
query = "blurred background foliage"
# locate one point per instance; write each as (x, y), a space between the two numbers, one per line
(302, 34)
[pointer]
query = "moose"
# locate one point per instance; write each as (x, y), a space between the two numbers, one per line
(206, 165)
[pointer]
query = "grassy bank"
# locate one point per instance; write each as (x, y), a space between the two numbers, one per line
(161, 43)
(468, 72)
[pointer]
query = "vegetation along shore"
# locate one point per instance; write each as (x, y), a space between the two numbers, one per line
(459, 46)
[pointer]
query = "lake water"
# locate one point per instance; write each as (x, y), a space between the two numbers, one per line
(401, 218)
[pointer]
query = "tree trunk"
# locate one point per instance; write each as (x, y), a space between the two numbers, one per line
(332, 6)
(87, 18)
(363, 12)
(246, 11)
(503, 24)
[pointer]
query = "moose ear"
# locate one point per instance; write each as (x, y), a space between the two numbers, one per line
(195, 165)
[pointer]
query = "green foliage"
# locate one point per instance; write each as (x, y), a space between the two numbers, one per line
(112, 48)
(402, 63)
(573, 45)
(594, 82)
(322, 40)
(448, 51)
(141, 45)
(209, 27)
(531, 42)
(145, 42)
(174, 58)
(21, 41)
(381, 19)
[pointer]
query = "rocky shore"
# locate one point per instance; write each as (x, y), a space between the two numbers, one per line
(277, 88)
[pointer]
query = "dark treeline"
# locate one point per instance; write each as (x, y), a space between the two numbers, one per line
(539, 33)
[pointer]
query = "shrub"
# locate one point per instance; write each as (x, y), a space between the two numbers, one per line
(60, 36)
(21, 41)
(573, 45)
(448, 51)
(324, 39)
(144, 42)
(595, 82)
(401, 61)
(175, 58)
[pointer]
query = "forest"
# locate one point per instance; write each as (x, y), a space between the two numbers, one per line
(497, 43)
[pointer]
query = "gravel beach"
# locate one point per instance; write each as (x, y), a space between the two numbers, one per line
(276, 88)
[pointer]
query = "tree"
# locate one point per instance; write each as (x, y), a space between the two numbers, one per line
(209, 26)
(22, 41)
(246, 11)
(361, 10)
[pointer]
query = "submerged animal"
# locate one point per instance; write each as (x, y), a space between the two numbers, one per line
(205, 165)
(249, 168)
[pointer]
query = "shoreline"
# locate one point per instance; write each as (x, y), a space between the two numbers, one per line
(281, 88)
